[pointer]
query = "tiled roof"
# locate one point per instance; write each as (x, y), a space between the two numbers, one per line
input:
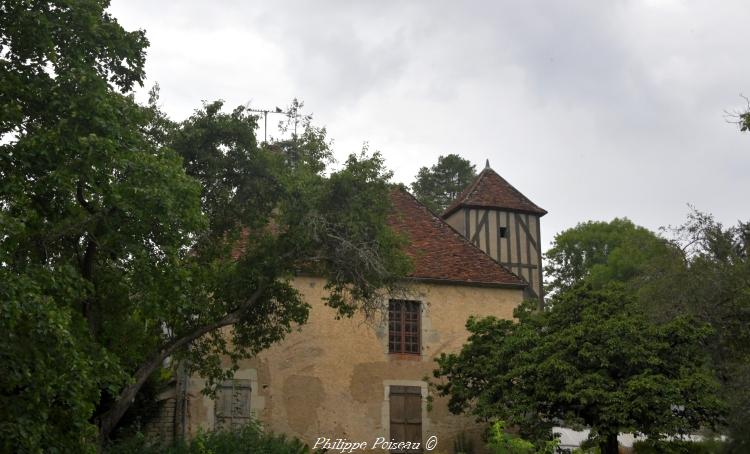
(490, 190)
(438, 252)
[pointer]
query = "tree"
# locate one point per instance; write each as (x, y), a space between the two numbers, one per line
(180, 237)
(601, 252)
(439, 185)
(266, 221)
(596, 359)
(741, 118)
(70, 146)
(713, 286)
(699, 268)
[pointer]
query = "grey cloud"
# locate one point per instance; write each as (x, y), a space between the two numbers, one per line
(593, 109)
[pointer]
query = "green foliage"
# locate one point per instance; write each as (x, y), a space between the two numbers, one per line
(680, 447)
(701, 270)
(118, 223)
(436, 187)
(501, 442)
(743, 118)
(595, 359)
(70, 150)
(602, 252)
(713, 286)
(250, 439)
(269, 220)
(51, 377)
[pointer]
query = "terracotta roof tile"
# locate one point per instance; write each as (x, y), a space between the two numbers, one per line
(438, 251)
(492, 191)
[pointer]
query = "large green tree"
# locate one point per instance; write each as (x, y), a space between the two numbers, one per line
(270, 214)
(438, 185)
(713, 286)
(127, 238)
(699, 268)
(600, 252)
(71, 147)
(596, 359)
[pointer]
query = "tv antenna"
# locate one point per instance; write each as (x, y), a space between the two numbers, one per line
(265, 113)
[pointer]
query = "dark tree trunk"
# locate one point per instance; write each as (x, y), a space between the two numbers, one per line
(610, 445)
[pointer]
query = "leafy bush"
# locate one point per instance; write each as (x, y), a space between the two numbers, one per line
(501, 442)
(680, 447)
(250, 439)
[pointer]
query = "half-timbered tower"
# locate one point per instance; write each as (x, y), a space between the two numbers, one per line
(501, 221)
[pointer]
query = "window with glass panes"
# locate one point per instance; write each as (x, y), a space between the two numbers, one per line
(403, 327)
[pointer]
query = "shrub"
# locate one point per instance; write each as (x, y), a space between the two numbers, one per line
(679, 447)
(501, 442)
(250, 439)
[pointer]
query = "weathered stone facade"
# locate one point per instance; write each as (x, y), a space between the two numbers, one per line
(331, 378)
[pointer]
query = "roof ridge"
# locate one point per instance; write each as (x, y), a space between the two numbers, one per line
(497, 192)
(518, 193)
(458, 234)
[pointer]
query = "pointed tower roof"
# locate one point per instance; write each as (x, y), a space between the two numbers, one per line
(490, 190)
(441, 254)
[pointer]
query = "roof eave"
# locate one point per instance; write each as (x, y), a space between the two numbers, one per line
(541, 212)
(430, 280)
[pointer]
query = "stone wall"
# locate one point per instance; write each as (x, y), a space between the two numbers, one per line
(162, 425)
(331, 377)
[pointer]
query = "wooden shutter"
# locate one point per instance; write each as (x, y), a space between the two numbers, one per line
(406, 414)
(232, 406)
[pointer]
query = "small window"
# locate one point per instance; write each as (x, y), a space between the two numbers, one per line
(503, 232)
(232, 406)
(403, 327)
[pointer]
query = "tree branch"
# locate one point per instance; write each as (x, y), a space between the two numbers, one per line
(87, 271)
(109, 420)
(82, 200)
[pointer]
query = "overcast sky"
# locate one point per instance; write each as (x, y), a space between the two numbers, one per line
(593, 109)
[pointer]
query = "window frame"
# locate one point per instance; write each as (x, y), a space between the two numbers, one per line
(404, 308)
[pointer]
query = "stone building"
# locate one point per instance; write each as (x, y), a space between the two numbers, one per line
(357, 379)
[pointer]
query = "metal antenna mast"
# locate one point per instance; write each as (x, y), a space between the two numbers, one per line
(265, 113)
